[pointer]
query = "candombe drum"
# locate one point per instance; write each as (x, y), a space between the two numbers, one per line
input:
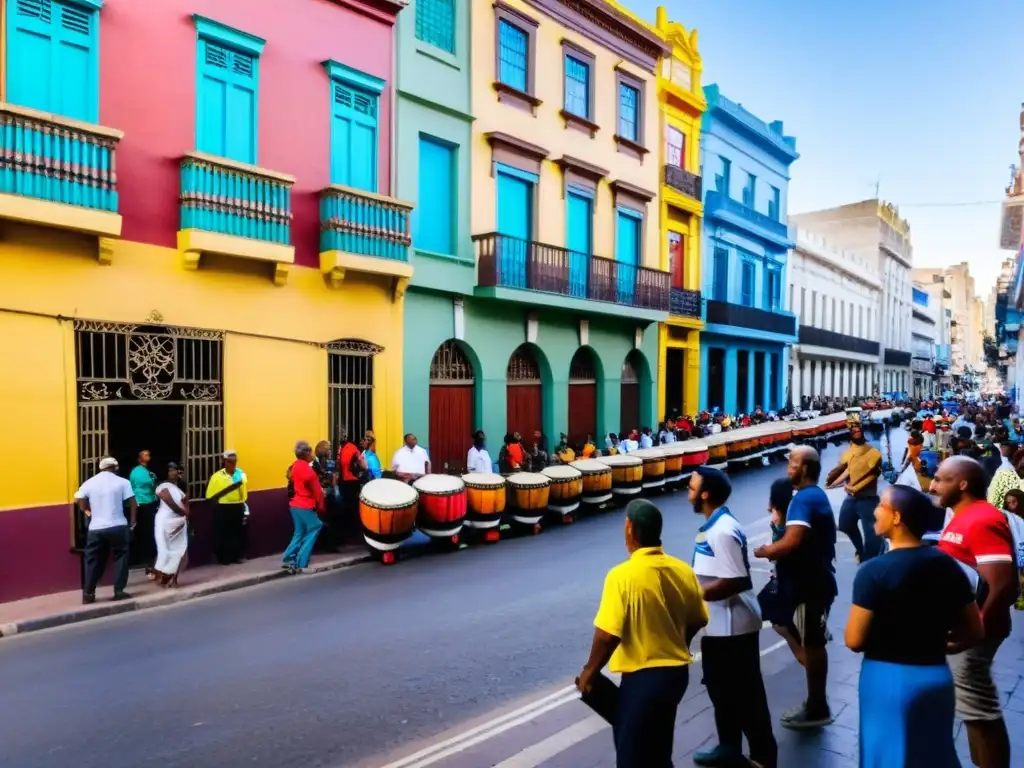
(673, 464)
(653, 467)
(529, 492)
(597, 481)
(627, 474)
(695, 454)
(387, 511)
(717, 452)
(442, 507)
(485, 503)
(566, 490)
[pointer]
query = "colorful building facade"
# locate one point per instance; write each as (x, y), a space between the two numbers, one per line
(745, 343)
(199, 255)
(549, 322)
(681, 103)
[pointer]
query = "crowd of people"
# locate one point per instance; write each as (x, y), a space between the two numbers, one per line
(939, 572)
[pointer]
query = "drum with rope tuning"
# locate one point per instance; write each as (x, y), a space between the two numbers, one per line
(442, 505)
(485, 496)
(387, 512)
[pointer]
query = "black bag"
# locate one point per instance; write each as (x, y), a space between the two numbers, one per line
(356, 467)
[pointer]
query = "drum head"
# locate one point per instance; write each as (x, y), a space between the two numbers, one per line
(589, 466)
(386, 493)
(620, 460)
(562, 472)
(438, 484)
(483, 480)
(528, 480)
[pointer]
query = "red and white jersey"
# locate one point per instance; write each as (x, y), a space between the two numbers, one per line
(978, 535)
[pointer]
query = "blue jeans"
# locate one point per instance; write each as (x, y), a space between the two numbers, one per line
(307, 528)
(646, 721)
(859, 511)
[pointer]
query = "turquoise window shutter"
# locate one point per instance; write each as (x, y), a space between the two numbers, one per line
(579, 241)
(434, 215)
(515, 225)
(513, 46)
(354, 138)
(227, 109)
(53, 58)
(627, 253)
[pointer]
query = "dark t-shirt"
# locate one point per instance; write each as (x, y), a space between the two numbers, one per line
(808, 573)
(915, 596)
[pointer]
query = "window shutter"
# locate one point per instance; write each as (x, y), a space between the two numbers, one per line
(354, 139)
(226, 120)
(30, 55)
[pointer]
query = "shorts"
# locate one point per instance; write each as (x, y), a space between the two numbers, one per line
(810, 623)
(977, 698)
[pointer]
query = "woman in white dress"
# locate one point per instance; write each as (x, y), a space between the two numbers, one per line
(171, 527)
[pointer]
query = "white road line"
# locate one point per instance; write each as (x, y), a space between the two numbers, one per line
(544, 750)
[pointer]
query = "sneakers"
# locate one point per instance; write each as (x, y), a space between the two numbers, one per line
(800, 718)
(720, 757)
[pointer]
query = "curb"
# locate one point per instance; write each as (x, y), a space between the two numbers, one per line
(160, 599)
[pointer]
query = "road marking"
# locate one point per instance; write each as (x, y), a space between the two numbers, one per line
(531, 757)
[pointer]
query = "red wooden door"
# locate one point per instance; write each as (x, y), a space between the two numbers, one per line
(451, 427)
(582, 412)
(524, 410)
(630, 408)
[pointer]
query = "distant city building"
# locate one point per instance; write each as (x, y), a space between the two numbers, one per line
(925, 331)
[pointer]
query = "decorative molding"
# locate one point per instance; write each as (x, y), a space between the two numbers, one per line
(638, 338)
(104, 251)
(584, 332)
(354, 347)
(579, 173)
(509, 150)
(513, 96)
(532, 326)
(620, 187)
(459, 318)
(354, 77)
(209, 29)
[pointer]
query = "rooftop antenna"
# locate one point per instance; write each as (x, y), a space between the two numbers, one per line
(878, 185)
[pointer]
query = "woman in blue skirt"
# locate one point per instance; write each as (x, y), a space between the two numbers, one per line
(908, 606)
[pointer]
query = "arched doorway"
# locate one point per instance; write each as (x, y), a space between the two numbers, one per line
(524, 393)
(582, 396)
(452, 382)
(630, 399)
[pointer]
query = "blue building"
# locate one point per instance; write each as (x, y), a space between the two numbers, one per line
(745, 344)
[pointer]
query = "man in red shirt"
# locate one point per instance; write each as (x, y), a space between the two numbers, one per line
(979, 538)
(305, 507)
(928, 427)
(349, 459)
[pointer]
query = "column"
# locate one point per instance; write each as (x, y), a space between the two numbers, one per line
(729, 371)
(705, 372)
(766, 395)
(806, 389)
(748, 407)
(847, 380)
(796, 383)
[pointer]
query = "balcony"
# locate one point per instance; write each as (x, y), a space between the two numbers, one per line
(740, 316)
(505, 262)
(897, 357)
(364, 232)
(734, 213)
(58, 172)
(689, 184)
(818, 337)
(235, 209)
(684, 303)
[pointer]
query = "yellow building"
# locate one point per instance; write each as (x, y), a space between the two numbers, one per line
(681, 104)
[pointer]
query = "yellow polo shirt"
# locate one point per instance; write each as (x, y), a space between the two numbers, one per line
(648, 602)
(221, 480)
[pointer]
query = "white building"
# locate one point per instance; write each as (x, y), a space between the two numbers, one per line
(836, 296)
(926, 334)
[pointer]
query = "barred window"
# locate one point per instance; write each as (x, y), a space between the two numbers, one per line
(435, 23)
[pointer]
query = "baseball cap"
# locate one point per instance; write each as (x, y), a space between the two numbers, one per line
(108, 462)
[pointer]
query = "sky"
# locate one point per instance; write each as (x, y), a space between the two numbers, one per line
(922, 97)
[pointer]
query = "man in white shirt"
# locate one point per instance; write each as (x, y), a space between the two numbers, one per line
(479, 460)
(646, 441)
(730, 649)
(410, 461)
(101, 498)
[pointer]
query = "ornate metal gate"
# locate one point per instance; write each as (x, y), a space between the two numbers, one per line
(350, 387)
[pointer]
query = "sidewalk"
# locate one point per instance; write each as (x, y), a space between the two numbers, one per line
(48, 611)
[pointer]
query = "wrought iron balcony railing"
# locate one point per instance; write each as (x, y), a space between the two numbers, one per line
(724, 313)
(897, 357)
(690, 184)
(57, 160)
(364, 223)
(684, 303)
(511, 262)
(237, 199)
(818, 337)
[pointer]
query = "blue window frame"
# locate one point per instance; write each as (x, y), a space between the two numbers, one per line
(355, 102)
(513, 50)
(722, 179)
(720, 276)
(750, 191)
(747, 283)
(227, 92)
(629, 106)
(579, 237)
(435, 212)
(515, 201)
(774, 204)
(773, 289)
(577, 87)
(628, 243)
(435, 23)
(54, 49)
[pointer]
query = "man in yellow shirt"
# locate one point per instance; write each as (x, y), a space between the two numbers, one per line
(860, 467)
(651, 608)
(228, 489)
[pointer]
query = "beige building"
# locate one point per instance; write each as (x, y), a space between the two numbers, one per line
(874, 231)
(967, 331)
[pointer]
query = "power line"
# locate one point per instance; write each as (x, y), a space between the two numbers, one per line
(961, 204)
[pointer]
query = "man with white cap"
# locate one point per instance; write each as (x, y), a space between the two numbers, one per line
(101, 498)
(228, 490)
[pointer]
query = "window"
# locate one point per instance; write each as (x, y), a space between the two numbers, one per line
(577, 87)
(629, 112)
(676, 259)
(513, 52)
(676, 150)
(860, 322)
(228, 74)
(834, 314)
(747, 283)
(720, 277)
(749, 190)
(772, 290)
(722, 179)
(355, 98)
(803, 306)
(435, 213)
(790, 297)
(53, 57)
(435, 23)
(814, 308)
(774, 202)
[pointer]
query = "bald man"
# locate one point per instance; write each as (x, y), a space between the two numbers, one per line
(979, 538)
(806, 556)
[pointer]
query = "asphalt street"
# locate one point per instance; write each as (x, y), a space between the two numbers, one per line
(330, 670)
